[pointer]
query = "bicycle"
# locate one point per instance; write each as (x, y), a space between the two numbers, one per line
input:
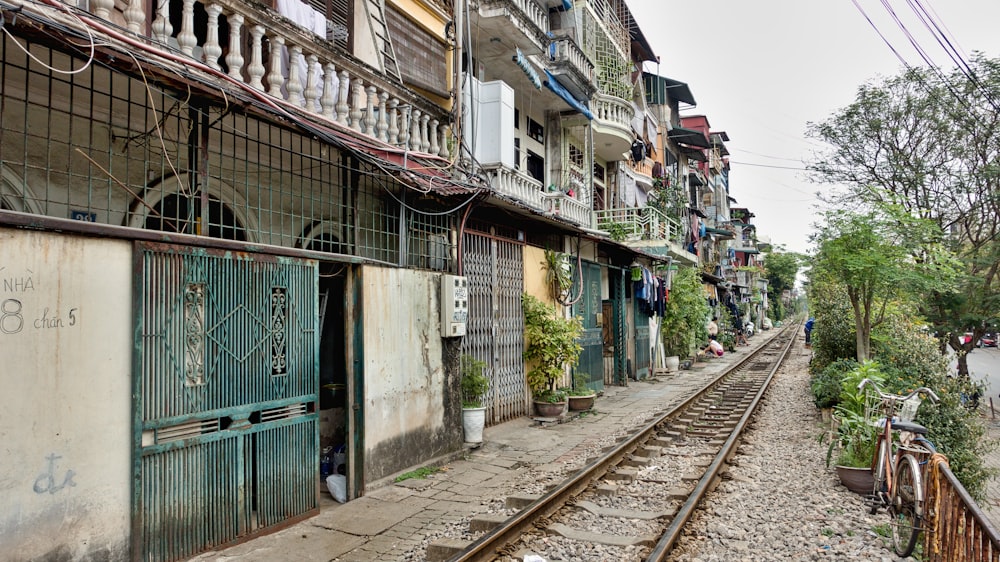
(898, 466)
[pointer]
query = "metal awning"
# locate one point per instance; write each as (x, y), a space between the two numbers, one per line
(689, 136)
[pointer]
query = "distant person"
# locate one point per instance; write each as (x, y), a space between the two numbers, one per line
(713, 328)
(809, 331)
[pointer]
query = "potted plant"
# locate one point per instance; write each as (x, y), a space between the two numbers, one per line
(550, 346)
(581, 397)
(855, 436)
(474, 387)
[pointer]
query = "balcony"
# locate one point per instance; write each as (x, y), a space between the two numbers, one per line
(639, 224)
(572, 67)
(529, 191)
(324, 85)
(643, 171)
(612, 126)
(508, 182)
(570, 208)
(522, 22)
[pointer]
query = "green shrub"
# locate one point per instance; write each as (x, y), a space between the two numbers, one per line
(826, 385)
(685, 315)
(910, 358)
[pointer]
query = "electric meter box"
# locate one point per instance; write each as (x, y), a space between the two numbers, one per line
(454, 305)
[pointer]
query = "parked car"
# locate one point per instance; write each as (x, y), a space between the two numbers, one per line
(988, 340)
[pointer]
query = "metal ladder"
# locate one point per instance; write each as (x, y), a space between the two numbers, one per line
(380, 31)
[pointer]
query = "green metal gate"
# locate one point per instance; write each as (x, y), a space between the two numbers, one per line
(618, 280)
(592, 340)
(642, 354)
(225, 386)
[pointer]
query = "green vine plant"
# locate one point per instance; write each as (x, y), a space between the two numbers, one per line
(550, 346)
(558, 273)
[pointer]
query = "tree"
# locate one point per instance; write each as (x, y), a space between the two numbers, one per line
(781, 269)
(875, 264)
(928, 145)
(685, 316)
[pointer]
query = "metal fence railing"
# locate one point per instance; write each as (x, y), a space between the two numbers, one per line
(956, 529)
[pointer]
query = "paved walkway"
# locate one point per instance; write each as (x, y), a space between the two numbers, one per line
(394, 522)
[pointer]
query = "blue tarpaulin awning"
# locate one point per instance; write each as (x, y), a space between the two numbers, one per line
(555, 86)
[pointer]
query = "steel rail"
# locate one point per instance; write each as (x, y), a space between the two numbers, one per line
(684, 514)
(490, 545)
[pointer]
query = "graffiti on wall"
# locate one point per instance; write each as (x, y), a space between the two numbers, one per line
(48, 482)
(16, 317)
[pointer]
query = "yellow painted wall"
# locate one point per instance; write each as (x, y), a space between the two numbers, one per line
(534, 274)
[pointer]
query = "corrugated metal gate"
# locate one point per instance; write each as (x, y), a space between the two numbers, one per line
(226, 382)
(495, 332)
(592, 340)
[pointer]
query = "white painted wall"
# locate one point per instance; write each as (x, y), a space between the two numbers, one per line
(404, 374)
(65, 353)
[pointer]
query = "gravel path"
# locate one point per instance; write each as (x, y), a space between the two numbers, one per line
(778, 500)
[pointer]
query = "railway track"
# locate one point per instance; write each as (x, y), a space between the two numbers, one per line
(632, 502)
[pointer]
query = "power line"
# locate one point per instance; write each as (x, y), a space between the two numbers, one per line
(801, 169)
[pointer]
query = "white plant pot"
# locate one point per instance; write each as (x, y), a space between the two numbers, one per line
(673, 363)
(473, 421)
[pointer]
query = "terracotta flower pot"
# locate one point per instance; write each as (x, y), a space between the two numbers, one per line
(550, 409)
(578, 403)
(855, 479)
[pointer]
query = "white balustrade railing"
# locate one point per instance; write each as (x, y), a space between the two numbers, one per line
(289, 63)
(506, 181)
(559, 203)
(528, 9)
(613, 111)
(565, 49)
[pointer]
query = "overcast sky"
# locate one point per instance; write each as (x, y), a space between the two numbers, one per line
(760, 70)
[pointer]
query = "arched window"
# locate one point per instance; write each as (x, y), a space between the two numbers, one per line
(169, 208)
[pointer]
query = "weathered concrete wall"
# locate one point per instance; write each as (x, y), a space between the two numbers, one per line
(409, 399)
(65, 354)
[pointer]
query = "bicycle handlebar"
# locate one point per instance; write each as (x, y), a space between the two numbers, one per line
(921, 390)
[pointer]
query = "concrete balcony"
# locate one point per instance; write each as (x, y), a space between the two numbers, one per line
(643, 171)
(612, 126)
(524, 23)
(570, 208)
(509, 183)
(639, 223)
(320, 83)
(528, 191)
(646, 229)
(572, 67)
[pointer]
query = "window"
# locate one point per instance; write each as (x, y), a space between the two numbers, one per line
(575, 156)
(598, 172)
(517, 153)
(536, 166)
(338, 14)
(535, 131)
(517, 119)
(421, 57)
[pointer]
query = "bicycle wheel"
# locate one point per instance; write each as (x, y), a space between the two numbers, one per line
(879, 471)
(906, 505)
